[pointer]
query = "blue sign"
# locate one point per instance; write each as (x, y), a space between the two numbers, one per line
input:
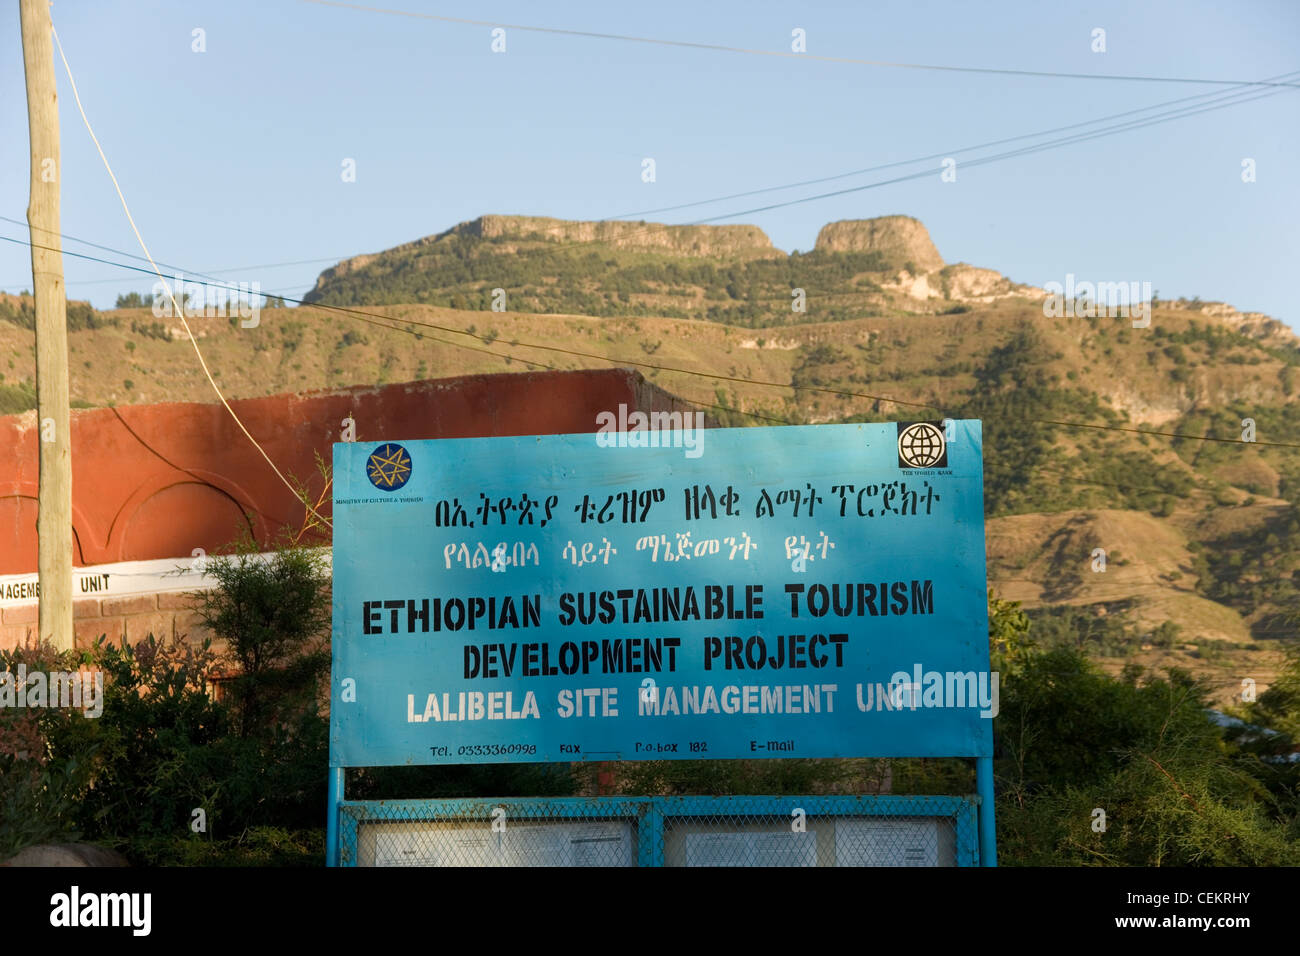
(811, 591)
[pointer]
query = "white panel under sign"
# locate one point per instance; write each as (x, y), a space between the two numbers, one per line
(519, 844)
(567, 844)
(887, 842)
(751, 849)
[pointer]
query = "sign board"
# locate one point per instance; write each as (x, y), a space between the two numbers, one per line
(813, 591)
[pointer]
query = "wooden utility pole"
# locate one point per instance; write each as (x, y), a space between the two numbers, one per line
(54, 519)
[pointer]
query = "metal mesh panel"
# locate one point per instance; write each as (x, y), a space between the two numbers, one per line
(822, 841)
(661, 831)
(501, 841)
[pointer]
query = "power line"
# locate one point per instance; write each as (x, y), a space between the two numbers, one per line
(1226, 99)
(1229, 99)
(1144, 431)
(193, 341)
(983, 160)
(117, 413)
(855, 61)
(650, 365)
(908, 162)
(210, 274)
(95, 245)
(277, 265)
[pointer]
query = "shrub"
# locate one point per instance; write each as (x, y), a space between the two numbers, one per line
(134, 300)
(39, 789)
(1070, 739)
(17, 398)
(152, 330)
(162, 749)
(276, 616)
(1166, 635)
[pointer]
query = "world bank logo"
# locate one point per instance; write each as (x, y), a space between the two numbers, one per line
(389, 467)
(921, 445)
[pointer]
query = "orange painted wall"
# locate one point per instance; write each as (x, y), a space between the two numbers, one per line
(157, 481)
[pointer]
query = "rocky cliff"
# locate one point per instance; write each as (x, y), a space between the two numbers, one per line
(901, 239)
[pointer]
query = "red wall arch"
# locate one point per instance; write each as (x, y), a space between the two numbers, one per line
(138, 471)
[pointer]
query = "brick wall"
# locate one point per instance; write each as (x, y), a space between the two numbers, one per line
(133, 616)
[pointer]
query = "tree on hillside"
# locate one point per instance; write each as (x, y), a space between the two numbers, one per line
(1012, 387)
(134, 300)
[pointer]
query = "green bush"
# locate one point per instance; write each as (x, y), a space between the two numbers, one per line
(152, 330)
(17, 398)
(162, 749)
(134, 300)
(40, 789)
(1166, 635)
(276, 616)
(1071, 740)
(165, 753)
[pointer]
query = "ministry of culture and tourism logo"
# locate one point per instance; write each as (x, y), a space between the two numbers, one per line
(389, 467)
(921, 445)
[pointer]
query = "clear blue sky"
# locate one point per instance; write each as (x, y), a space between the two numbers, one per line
(232, 157)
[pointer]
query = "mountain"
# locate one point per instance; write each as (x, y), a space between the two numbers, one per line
(1200, 538)
(728, 274)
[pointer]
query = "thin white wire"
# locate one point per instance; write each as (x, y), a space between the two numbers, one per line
(790, 54)
(175, 306)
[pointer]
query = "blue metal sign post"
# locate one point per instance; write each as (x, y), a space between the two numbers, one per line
(808, 591)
